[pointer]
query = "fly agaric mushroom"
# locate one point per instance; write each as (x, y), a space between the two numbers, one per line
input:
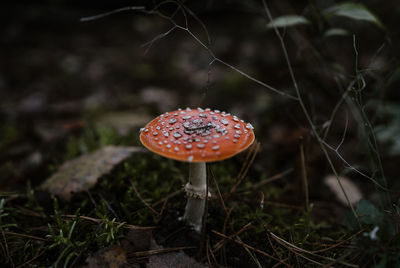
(197, 136)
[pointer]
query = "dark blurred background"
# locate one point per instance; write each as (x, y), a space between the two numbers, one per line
(60, 77)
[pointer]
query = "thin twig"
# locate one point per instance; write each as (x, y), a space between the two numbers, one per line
(297, 258)
(246, 160)
(39, 253)
(252, 255)
(344, 133)
(211, 253)
(253, 151)
(282, 205)
(336, 109)
(27, 236)
(218, 191)
(223, 248)
(163, 208)
(91, 240)
(156, 214)
(99, 16)
(29, 212)
(208, 252)
(127, 226)
(356, 170)
(92, 199)
(109, 207)
(256, 150)
(172, 234)
(191, 13)
(283, 260)
(271, 179)
(297, 249)
(8, 257)
(222, 242)
(157, 251)
(304, 173)
(150, 43)
(337, 244)
(4, 251)
(249, 247)
(227, 212)
(273, 247)
(162, 201)
(291, 250)
(284, 94)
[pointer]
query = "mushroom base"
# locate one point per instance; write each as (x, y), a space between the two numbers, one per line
(194, 212)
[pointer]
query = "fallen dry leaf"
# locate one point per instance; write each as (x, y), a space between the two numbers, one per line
(82, 173)
(353, 192)
(113, 257)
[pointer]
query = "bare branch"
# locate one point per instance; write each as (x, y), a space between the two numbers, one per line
(102, 15)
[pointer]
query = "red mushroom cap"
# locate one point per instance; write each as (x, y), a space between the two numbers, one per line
(197, 135)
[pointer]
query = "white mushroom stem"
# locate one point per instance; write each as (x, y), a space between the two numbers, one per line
(196, 192)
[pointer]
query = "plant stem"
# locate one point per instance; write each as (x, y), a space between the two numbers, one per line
(304, 174)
